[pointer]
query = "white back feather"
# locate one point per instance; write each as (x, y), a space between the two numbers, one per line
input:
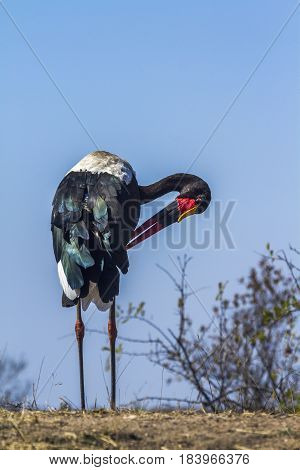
(105, 162)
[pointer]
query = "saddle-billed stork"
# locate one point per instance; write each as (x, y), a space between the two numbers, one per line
(95, 213)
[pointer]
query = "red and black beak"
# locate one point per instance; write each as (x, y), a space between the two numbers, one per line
(162, 219)
(174, 212)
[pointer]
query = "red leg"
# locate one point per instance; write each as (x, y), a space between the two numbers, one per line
(79, 330)
(112, 334)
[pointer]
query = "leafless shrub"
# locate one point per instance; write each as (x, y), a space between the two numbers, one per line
(246, 358)
(13, 390)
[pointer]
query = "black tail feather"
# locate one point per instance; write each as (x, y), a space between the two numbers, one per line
(66, 302)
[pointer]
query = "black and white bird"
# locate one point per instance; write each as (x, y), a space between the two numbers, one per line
(96, 209)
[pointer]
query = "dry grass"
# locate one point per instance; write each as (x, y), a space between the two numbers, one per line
(147, 430)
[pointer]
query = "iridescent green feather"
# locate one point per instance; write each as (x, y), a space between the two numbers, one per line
(71, 204)
(71, 270)
(106, 241)
(79, 254)
(79, 230)
(58, 242)
(100, 213)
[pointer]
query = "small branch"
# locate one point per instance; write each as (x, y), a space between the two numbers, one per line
(124, 338)
(168, 399)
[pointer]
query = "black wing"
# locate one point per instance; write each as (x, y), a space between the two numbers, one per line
(92, 218)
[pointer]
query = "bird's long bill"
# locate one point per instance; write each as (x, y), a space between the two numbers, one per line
(162, 219)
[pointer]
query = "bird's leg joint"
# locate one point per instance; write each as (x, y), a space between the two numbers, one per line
(112, 330)
(79, 330)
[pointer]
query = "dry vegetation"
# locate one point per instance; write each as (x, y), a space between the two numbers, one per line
(148, 430)
(246, 357)
(243, 367)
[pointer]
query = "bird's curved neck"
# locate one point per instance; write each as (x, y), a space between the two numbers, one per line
(166, 185)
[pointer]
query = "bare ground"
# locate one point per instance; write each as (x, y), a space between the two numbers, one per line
(147, 430)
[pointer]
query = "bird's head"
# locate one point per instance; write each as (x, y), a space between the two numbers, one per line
(194, 198)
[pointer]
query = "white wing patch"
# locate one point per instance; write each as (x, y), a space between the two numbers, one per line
(70, 293)
(105, 162)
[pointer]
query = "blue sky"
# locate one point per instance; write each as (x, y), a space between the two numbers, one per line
(149, 81)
